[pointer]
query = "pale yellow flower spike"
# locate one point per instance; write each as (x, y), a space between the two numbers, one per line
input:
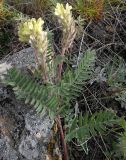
(32, 31)
(68, 27)
(67, 22)
(64, 14)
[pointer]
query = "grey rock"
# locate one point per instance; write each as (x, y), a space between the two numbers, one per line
(29, 147)
(3, 69)
(39, 126)
(21, 59)
(6, 150)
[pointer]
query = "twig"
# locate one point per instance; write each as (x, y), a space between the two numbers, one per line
(58, 121)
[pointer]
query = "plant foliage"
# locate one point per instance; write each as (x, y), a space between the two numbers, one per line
(92, 9)
(52, 96)
(73, 82)
(121, 146)
(83, 127)
(116, 80)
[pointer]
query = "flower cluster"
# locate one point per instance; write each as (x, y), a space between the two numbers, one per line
(68, 24)
(32, 31)
(64, 15)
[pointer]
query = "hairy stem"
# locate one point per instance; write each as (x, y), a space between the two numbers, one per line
(58, 121)
(61, 64)
(36, 56)
(43, 67)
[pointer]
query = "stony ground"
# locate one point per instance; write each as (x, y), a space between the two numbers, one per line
(24, 135)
